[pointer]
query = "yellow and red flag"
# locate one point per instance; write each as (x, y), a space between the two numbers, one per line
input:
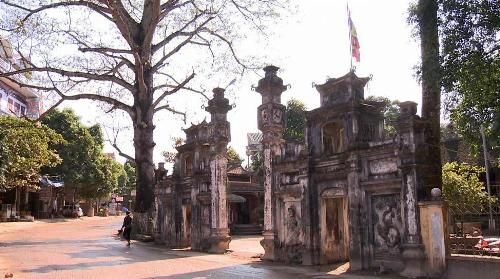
(354, 38)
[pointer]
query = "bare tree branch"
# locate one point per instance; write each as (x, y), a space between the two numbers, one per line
(101, 77)
(124, 155)
(104, 50)
(65, 97)
(229, 45)
(166, 85)
(168, 108)
(182, 32)
(247, 14)
(171, 5)
(104, 11)
(177, 88)
(149, 22)
(115, 145)
(180, 45)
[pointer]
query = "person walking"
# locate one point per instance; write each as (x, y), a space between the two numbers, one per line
(127, 227)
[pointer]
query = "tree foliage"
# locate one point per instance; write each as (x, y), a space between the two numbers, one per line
(104, 178)
(3, 157)
(25, 149)
(84, 168)
(233, 158)
(295, 120)
(169, 156)
(129, 169)
(391, 113)
(471, 67)
(462, 188)
(130, 55)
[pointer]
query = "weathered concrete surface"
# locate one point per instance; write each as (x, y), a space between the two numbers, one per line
(466, 267)
(88, 248)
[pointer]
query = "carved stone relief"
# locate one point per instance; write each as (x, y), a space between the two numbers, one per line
(293, 233)
(292, 226)
(277, 115)
(387, 224)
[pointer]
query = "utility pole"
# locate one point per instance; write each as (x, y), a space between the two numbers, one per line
(491, 221)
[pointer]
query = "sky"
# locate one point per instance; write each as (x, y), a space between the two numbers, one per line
(309, 46)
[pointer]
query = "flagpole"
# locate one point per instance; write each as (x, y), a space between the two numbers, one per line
(350, 35)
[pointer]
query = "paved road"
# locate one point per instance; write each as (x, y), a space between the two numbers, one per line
(87, 248)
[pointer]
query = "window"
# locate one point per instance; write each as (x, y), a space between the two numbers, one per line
(17, 108)
(333, 138)
(10, 105)
(188, 166)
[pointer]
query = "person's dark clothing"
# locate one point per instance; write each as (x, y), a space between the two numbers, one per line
(127, 227)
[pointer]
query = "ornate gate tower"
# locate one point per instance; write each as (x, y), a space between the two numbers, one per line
(271, 121)
(220, 135)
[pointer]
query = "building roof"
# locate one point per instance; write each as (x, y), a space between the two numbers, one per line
(51, 182)
(236, 169)
(350, 77)
(254, 138)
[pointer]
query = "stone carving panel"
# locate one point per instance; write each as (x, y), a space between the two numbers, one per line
(384, 166)
(293, 242)
(334, 192)
(277, 115)
(290, 178)
(387, 225)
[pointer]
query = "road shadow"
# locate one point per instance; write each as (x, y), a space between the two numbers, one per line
(77, 266)
(55, 220)
(275, 271)
(105, 253)
(253, 270)
(51, 241)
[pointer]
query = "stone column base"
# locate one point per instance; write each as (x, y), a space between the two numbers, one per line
(268, 245)
(413, 258)
(219, 241)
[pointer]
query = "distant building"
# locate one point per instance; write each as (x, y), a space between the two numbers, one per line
(20, 102)
(254, 145)
(16, 100)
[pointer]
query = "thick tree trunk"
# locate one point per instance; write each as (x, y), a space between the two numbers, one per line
(144, 146)
(143, 140)
(431, 90)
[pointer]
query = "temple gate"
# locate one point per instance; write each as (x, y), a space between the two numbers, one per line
(348, 193)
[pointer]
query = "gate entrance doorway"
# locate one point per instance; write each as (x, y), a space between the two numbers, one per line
(334, 230)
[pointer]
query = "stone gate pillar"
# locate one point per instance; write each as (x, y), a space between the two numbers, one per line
(412, 155)
(220, 135)
(271, 121)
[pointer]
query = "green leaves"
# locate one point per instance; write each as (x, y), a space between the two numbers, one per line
(233, 158)
(470, 61)
(391, 113)
(462, 188)
(84, 168)
(295, 120)
(25, 149)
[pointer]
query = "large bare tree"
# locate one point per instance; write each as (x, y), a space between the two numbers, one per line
(130, 55)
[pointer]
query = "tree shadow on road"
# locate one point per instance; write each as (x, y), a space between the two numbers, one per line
(50, 241)
(250, 271)
(103, 253)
